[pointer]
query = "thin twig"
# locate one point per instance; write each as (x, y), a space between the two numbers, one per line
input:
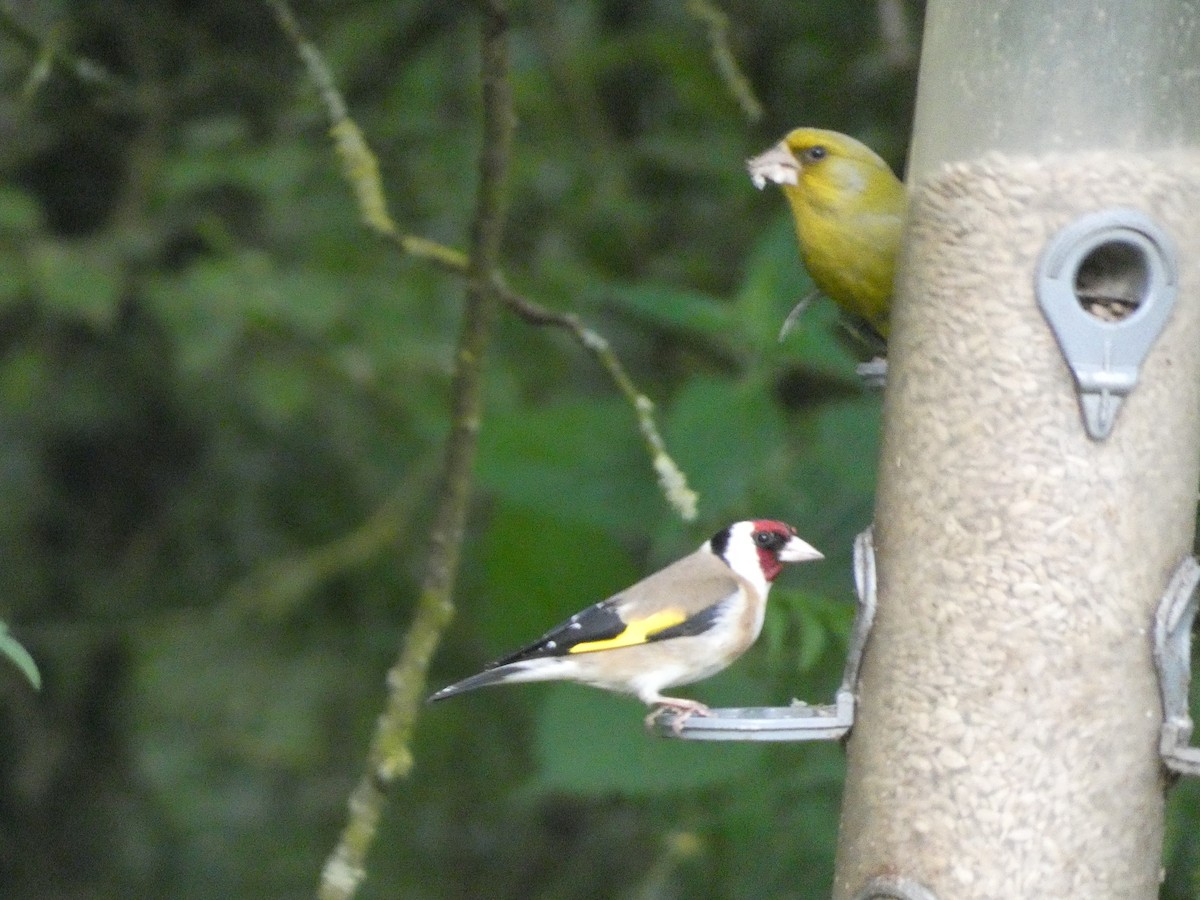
(50, 57)
(277, 588)
(670, 477)
(361, 169)
(390, 755)
(717, 24)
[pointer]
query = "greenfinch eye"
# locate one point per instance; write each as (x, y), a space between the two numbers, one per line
(848, 208)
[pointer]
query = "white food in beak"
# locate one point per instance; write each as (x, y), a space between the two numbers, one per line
(777, 165)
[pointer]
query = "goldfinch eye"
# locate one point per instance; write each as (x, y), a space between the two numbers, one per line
(768, 540)
(815, 154)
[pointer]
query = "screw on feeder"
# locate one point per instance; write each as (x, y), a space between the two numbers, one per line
(1172, 656)
(800, 721)
(1106, 284)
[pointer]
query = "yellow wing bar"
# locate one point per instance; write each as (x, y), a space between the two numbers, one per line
(635, 632)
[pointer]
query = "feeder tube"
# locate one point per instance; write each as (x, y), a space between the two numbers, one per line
(1006, 740)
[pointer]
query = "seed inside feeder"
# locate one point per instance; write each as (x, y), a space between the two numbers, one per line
(1111, 281)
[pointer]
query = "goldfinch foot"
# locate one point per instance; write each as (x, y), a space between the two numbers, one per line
(684, 710)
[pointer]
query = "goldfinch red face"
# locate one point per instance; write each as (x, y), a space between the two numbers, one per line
(683, 623)
(757, 549)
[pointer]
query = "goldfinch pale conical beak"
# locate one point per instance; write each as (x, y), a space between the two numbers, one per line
(796, 550)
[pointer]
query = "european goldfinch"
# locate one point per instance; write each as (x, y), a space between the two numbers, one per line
(679, 625)
(848, 208)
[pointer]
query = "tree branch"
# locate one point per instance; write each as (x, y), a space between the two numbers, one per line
(717, 24)
(671, 479)
(361, 169)
(50, 57)
(276, 589)
(390, 756)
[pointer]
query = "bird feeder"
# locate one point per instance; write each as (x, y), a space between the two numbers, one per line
(1022, 700)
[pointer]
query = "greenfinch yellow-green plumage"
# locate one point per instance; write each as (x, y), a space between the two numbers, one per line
(848, 208)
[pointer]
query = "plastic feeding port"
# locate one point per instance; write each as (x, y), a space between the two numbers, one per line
(1106, 284)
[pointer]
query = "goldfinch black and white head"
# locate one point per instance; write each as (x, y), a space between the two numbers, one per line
(679, 625)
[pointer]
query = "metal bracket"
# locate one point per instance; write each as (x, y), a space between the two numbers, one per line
(873, 373)
(800, 721)
(1106, 284)
(1173, 657)
(894, 887)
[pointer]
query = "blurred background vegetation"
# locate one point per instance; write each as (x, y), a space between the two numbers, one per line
(223, 407)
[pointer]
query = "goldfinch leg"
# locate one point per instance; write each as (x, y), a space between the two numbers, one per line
(685, 709)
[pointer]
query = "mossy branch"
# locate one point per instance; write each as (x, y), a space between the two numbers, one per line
(390, 756)
(670, 477)
(716, 23)
(361, 169)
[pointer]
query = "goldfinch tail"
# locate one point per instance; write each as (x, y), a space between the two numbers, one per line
(530, 670)
(483, 679)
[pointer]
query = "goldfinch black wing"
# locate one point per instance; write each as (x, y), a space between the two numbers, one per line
(683, 599)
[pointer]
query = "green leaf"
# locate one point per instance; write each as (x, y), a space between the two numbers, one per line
(19, 656)
(76, 280)
(774, 283)
(215, 301)
(814, 636)
(581, 461)
(724, 435)
(275, 695)
(845, 440)
(281, 388)
(18, 210)
(774, 280)
(676, 309)
(802, 627)
(14, 271)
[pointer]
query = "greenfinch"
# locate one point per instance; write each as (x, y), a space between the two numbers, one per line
(848, 208)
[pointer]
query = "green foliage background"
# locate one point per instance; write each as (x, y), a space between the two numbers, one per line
(223, 404)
